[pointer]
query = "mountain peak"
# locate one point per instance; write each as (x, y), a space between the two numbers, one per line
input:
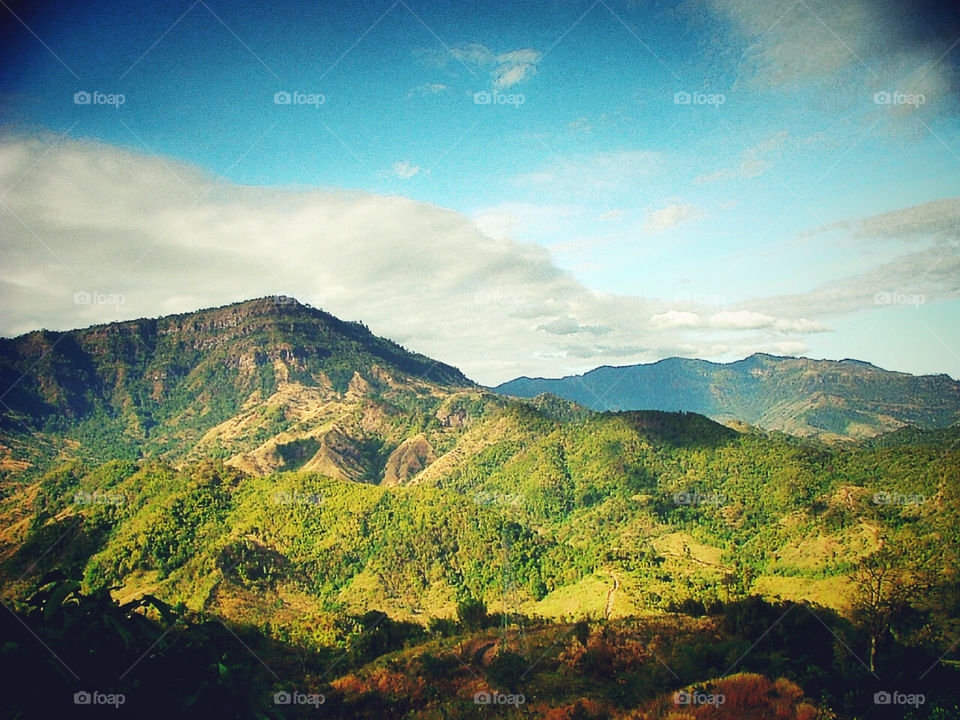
(197, 369)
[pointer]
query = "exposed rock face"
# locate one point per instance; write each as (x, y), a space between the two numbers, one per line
(410, 458)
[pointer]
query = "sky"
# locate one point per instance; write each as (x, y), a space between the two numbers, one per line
(531, 188)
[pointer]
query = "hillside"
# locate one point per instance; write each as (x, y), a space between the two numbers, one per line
(375, 525)
(845, 399)
(264, 384)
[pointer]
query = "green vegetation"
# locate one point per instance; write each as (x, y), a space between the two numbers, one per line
(262, 492)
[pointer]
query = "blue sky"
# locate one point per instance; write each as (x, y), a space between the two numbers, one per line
(705, 178)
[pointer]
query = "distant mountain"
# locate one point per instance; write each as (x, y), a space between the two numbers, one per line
(846, 399)
(222, 382)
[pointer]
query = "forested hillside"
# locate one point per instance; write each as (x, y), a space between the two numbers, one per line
(340, 523)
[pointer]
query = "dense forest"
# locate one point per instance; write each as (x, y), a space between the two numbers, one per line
(540, 566)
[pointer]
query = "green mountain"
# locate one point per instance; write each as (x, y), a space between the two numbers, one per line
(313, 508)
(219, 383)
(847, 400)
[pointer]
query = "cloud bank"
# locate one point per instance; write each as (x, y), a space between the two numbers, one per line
(92, 233)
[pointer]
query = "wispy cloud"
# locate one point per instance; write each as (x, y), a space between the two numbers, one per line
(846, 51)
(505, 69)
(669, 217)
(405, 170)
(754, 161)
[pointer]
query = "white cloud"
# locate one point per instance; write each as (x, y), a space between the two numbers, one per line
(569, 325)
(473, 54)
(919, 254)
(675, 319)
(937, 219)
(514, 67)
(405, 170)
(669, 217)
(87, 217)
(505, 69)
(801, 325)
(515, 219)
(741, 320)
(844, 50)
(789, 347)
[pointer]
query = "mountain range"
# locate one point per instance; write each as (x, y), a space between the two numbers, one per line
(830, 400)
(340, 502)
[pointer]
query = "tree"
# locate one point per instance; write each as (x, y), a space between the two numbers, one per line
(885, 592)
(472, 614)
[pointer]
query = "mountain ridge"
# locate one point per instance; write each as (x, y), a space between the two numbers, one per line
(160, 385)
(845, 399)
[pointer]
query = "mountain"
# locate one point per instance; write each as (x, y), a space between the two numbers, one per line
(373, 525)
(265, 384)
(845, 399)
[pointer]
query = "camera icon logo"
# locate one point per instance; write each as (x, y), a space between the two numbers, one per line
(882, 698)
(281, 98)
(81, 298)
(882, 97)
(282, 698)
(81, 98)
(681, 98)
(682, 498)
(82, 698)
(482, 698)
(682, 698)
(482, 98)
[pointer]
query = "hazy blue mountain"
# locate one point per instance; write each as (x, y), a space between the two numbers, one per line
(846, 398)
